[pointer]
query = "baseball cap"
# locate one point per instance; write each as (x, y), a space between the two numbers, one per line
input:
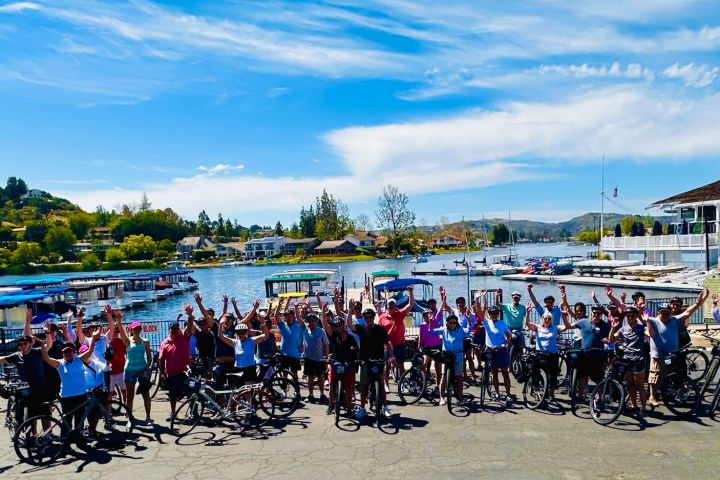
(516, 294)
(663, 306)
(135, 325)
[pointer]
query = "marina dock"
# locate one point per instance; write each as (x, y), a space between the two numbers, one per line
(602, 281)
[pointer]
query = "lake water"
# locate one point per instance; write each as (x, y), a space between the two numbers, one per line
(246, 283)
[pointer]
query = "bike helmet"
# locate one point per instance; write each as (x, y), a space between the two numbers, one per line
(336, 321)
(516, 294)
(426, 311)
(632, 309)
(24, 338)
(638, 295)
(369, 311)
(312, 317)
(494, 309)
(241, 327)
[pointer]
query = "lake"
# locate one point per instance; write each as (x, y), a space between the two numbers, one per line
(246, 283)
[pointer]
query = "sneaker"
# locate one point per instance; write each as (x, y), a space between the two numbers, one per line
(360, 413)
(386, 412)
(330, 410)
(640, 415)
(494, 397)
(443, 402)
(323, 398)
(310, 399)
(387, 388)
(509, 401)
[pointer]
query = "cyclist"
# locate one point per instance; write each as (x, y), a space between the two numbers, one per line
(174, 359)
(452, 335)
(139, 359)
(514, 314)
(73, 390)
(291, 338)
(430, 340)
(594, 331)
(467, 321)
(117, 362)
(345, 348)
(546, 334)
(29, 362)
(244, 347)
(549, 305)
(676, 308)
(375, 344)
(632, 337)
(665, 341)
(393, 321)
(315, 350)
(497, 335)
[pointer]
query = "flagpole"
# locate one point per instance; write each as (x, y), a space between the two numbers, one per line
(602, 205)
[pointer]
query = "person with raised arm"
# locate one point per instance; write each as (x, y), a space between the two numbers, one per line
(393, 321)
(452, 335)
(632, 337)
(119, 357)
(594, 332)
(244, 347)
(345, 348)
(498, 336)
(546, 334)
(316, 349)
(665, 341)
(174, 359)
(549, 305)
(291, 338)
(467, 320)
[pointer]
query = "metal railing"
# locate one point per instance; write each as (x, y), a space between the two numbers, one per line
(660, 241)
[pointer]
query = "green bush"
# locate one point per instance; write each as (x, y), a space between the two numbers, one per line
(90, 262)
(202, 254)
(276, 255)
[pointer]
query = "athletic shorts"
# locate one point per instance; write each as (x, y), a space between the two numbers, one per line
(176, 386)
(118, 380)
(314, 367)
(399, 353)
(637, 364)
(365, 374)
(502, 358)
(37, 400)
(591, 366)
(291, 363)
(249, 374)
(658, 370)
(132, 376)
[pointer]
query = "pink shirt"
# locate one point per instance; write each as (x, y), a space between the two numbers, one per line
(176, 354)
(394, 326)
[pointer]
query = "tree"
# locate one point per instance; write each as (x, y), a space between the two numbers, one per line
(307, 222)
(332, 220)
(15, 188)
(102, 217)
(220, 232)
(684, 227)
(202, 254)
(90, 261)
(166, 245)
(80, 223)
(640, 229)
(362, 222)
(393, 214)
(278, 229)
(500, 234)
(588, 237)
(61, 239)
(671, 229)
(35, 232)
(26, 252)
(114, 256)
(145, 204)
(294, 231)
(155, 223)
(202, 227)
(618, 230)
(138, 247)
(657, 228)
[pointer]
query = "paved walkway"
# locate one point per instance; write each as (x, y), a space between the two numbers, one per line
(420, 442)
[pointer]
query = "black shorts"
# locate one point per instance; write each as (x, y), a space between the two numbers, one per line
(637, 364)
(592, 366)
(314, 367)
(37, 400)
(291, 363)
(249, 374)
(176, 386)
(222, 369)
(399, 352)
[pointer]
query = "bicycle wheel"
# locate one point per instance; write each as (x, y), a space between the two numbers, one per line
(535, 390)
(516, 366)
(378, 402)
(11, 422)
(572, 389)
(449, 389)
(697, 364)
(187, 416)
(411, 386)
(261, 409)
(115, 425)
(287, 374)
(714, 404)
(680, 395)
(484, 385)
(562, 372)
(286, 395)
(339, 395)
(607, 401)
(43, 448)
(710, 377)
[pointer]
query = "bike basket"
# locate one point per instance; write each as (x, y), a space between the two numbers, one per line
(339, 368)
(192, 384)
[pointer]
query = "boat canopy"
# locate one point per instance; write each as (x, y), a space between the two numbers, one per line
(401, 284)
(295, 278)
(40, 281)
(385, 273)
(9, 301)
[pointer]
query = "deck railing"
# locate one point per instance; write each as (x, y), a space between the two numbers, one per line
(659, 242)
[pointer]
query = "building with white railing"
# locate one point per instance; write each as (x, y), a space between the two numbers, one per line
(694, 242)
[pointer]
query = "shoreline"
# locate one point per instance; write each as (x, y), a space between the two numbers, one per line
(602, 281)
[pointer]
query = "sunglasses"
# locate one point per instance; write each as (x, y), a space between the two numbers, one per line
(65, 352)
(339, 326)
(23, 343)
(452, 323)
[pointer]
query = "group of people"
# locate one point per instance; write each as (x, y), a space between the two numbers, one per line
(68, 360)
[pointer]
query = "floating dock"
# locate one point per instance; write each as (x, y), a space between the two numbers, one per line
(602, 281)
(421, 273)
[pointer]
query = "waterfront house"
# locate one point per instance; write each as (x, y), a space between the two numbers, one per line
(333, 247)
(264, 247)
(230, 250)
(186, 246)
(694, 241)
(291, 245)
(362, 239)
(448, 241)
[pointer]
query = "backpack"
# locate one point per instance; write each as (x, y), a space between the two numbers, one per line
(109, 353)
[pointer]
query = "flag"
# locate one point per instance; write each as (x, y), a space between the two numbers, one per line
(615, 192)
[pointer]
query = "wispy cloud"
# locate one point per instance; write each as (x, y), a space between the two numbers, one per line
(631, 71)
(18, 7)
(220, 168)
(698, 76)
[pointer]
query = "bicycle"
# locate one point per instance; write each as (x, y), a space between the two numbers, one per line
(280, 384)
(607, 400)
(114, 425)
(697, 363)
(414, 382)
(712, 367)
(340, 369)
(535, 386)
(487, 356)
(18, 396)
(516, 353)
(155, 375)
(375, 374)
(680, 393)
(249, 406)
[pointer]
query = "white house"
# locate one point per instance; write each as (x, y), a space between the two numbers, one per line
(32, 193)
(698, 248)
(361, 239)
(230, 249)
(448, 241)
(263, 247)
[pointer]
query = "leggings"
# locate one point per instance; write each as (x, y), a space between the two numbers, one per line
(70, 403)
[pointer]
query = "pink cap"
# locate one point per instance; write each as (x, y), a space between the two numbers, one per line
(134, 325)
(84, 348)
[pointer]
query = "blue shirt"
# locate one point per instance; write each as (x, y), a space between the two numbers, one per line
(547, 338)
(72, 378)
(514, 315)
(592, 334)
(313, 343)
(244, 352)
(452, 340)
(292, 338)
(665, 340)
(495, 332)
(465, 321)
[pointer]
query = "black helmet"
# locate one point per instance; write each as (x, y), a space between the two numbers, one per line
(313, 317)
(336, 321)
(24, 338)
(369, 311)
(632, 309)
(494, 309)
(638, 295)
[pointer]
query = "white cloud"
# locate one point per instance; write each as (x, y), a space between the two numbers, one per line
(631, 71)
(18, 7)
(220, 168)
(698, 76)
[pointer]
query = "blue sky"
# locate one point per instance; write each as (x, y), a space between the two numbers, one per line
(251, 108)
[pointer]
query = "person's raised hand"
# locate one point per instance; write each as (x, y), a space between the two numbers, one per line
(256, 303)
(529, 286)
(188, 309)
(198, 298)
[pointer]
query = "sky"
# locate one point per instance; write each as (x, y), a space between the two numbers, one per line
(252, 108)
